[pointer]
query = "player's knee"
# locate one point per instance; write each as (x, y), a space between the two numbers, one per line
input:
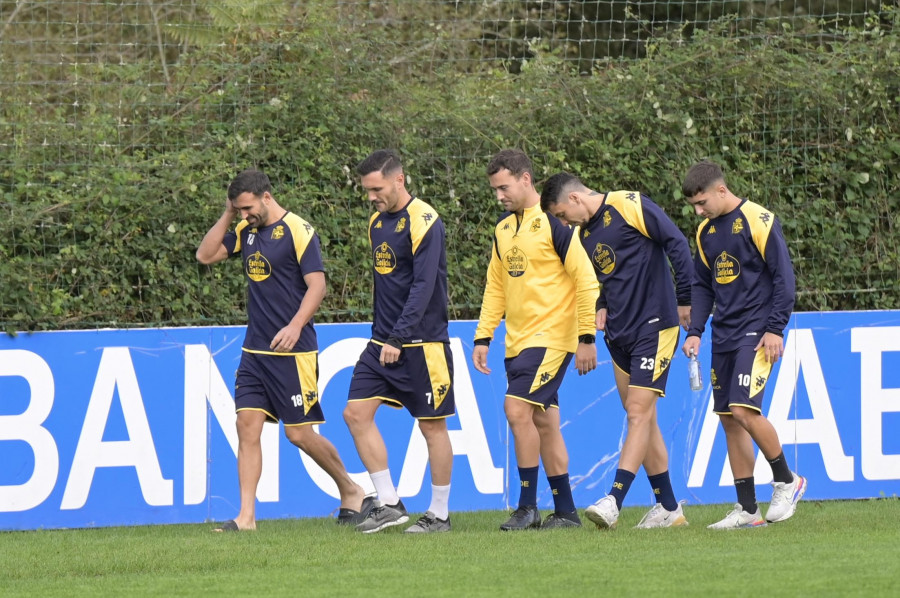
(433, 427)
(638, 415)
(355, 417)
(298, 436)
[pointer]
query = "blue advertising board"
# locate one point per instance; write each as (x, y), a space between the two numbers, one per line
(129, 427)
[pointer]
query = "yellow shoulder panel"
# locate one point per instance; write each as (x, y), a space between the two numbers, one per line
(700, 230)
(421, 217)
(301, 231)
(237, 230)
(760, 222)
(628, 204)
(369, 228)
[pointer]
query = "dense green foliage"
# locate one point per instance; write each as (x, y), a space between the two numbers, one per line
(830, 548)
(108, 189)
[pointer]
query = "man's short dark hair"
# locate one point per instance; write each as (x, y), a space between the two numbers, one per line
(385, 161)
(250, 180)
(701, 177)
(557, 186)
(513, 160)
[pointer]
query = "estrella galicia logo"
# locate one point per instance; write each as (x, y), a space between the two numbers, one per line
(728, 268)
(604, 258)
(516, 262)
(258, 267)
(385, 259)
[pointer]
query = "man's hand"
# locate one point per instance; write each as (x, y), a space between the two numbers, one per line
(600, 320)
(774, 345)
(286, 338)
(389, 354)
(684, 316)
(691, 344)
(479, 359)
(585, 358)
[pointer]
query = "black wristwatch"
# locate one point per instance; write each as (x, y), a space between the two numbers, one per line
(587, 339)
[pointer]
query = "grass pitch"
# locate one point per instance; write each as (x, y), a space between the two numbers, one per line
(831, 548)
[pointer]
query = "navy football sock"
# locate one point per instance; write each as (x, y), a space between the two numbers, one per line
(621, 485)
(662, 490)
(528, 486)
(562, 493)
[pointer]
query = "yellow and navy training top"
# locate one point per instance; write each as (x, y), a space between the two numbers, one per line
(742, 265)
(276, 258)
(541, 280)
(410, 272)
(628, 240)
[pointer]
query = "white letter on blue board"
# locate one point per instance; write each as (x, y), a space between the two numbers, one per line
(26, 426)
(116, 371)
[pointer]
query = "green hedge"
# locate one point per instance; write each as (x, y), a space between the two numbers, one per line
(101, 223)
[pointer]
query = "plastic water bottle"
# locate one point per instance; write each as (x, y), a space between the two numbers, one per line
(694, 372)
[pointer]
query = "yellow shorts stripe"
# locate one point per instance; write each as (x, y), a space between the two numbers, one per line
(665, 349)
(553, 359)
(438, 372)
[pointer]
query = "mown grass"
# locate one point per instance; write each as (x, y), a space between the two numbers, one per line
(831, 548)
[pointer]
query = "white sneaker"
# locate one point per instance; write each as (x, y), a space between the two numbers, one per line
(658, 516)
(739, 518)
(785, 498)
(604, 513)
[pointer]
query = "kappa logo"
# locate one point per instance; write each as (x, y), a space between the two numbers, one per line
(607, 219)
(427, 217)
(765, 217)
(441, 394)
(278, 232)
(631, 195)
(400, 225)
(545, 377)
(377, 224)
(760, 381)
(663, 363)
(712, 230)
(506, 226)
(738, 226)
(308, 227)
(586, 234)
(309, 399)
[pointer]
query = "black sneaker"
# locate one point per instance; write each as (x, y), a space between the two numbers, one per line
(384, 516)
(526, 517)
(351, 517)
(560, 520)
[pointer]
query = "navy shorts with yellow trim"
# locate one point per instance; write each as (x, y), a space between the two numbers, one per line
(283, 386)
(646, 359)
(738, 378)
(421, 380)
(535, 375)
